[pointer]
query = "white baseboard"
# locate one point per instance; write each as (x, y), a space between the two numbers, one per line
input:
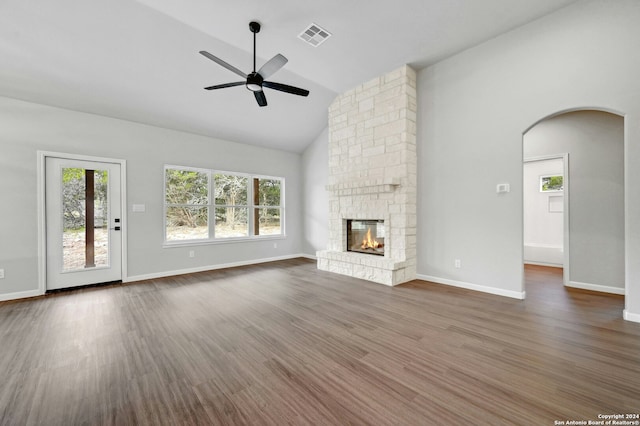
(20, 295)
(308, 256)
(630, 317)
(476, 287)
(551, 265)
(207, 268)
(595, 287)
(543, 253)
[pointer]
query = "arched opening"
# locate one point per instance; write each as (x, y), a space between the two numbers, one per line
(574, 226)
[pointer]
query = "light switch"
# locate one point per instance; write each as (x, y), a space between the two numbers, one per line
(502, 188)
(138, 208)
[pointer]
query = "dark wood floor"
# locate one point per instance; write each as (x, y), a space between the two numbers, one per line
(284, 343)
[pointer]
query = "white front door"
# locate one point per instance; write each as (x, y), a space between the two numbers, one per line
(83, 222)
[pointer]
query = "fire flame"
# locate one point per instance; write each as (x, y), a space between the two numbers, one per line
(369, 242)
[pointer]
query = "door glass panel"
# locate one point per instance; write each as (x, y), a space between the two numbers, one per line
(85, 236)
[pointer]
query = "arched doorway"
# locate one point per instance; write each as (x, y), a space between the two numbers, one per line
(591, 142)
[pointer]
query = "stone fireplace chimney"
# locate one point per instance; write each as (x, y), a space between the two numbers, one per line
(372, 176)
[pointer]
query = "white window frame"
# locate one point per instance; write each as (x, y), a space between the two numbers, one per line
(211, 206)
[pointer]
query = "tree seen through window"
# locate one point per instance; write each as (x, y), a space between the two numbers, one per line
(241, 206)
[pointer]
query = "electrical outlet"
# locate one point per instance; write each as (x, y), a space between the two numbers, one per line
(457, 263)
(275, 245)
(1, 273)
(192, 253)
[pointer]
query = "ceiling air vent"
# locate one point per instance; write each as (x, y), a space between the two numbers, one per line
(315, 35)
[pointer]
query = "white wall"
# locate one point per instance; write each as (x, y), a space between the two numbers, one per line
(543, 228)
(315, 174)
(595, 143)
(26, 128)
(473, 110)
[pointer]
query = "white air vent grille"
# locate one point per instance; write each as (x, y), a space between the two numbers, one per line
(315, 35)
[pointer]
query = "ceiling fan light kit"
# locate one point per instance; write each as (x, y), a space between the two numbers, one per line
(255, 81)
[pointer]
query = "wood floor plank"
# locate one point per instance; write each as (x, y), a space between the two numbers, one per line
(285, 344)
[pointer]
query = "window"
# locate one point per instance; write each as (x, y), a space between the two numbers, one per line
(267, 210)
(231, 206)
(187, 204)
(208, 205)
(551, 183)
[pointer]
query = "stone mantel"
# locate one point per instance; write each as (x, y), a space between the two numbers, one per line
(367, 186)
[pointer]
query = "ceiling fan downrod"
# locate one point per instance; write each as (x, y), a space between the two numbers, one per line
(254, 27)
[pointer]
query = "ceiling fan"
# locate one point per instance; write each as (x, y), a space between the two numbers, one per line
(256, 80)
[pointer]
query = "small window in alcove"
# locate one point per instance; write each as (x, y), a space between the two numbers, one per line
(551, 183)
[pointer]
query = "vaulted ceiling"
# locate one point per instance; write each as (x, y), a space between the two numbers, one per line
(139, 61)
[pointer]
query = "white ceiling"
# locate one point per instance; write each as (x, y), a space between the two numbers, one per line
(139, 61)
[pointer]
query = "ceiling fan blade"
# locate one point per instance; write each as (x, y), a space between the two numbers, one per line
(272, 65)
(222, 86)
(261, 98)
(285, 88)
(223, 63)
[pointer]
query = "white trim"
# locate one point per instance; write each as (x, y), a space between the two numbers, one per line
(209, 268)
(536, 245)
(476, 287)
(42, 227)
(124, 222)
(41, 212)
(630, 317)
(550, 265)
(206, 242)
(628, 214)
(596, 287)
(308, 256)
(20, 295)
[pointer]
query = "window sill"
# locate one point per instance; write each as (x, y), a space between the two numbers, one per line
(185, 243)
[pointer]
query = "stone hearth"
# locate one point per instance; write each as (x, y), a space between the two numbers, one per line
(372, 176)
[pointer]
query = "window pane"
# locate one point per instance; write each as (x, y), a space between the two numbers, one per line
(551, 183)
(101, 218)
(231, 222)
(231, 190)
(187, 223)
(84, 246)
(186, 187)
(269, 222)
(268, 192)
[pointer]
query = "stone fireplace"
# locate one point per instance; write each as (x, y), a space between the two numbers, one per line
(372, 181)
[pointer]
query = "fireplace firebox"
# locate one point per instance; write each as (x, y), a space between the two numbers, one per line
(366, 236)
